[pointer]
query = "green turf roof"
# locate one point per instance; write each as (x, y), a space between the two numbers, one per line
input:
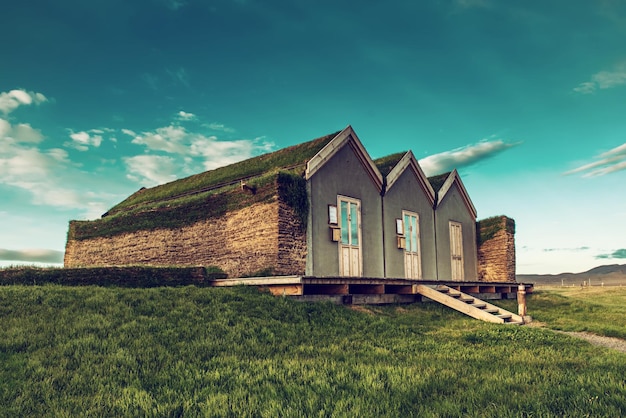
(387, 163)
(290, 157)
(437, 181)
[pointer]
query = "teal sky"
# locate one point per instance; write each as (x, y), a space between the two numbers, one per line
(526, 98)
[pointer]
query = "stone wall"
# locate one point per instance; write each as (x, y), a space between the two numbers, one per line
(241, 242)
(292, 248)
(496, 249)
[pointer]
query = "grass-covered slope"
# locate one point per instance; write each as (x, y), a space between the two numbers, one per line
(89, 351)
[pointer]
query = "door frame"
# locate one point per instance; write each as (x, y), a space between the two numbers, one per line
(457, 257)
(359, 246)
(417, 252)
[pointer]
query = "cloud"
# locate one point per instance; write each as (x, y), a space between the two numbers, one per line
(621, 253)
(578, 249)
(185, 115)
(608, 162)
(168, 139)
(153, 169)
(187, 153)
(464, 156)
(83, 140)
(603, 80)
(9, 101)
(32, 255)
(20, 133)
(219, 127)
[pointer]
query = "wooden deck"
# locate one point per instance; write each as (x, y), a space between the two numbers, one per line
(363, 290)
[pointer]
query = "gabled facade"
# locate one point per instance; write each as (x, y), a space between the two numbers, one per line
(408, 219)
(344, 184)
(322, 208)
(455, 229)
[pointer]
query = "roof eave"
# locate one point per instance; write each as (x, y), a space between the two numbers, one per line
(409, 161)
(346, 136)
(453, 178)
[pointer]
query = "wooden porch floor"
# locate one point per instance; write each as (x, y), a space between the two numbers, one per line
(363, 290)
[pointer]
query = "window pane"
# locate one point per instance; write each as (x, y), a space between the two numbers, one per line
(354, 224)
(344, 222)
(407, 232)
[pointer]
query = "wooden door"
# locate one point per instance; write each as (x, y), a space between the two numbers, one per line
(350, 263)
(412, 256)
(456, 251)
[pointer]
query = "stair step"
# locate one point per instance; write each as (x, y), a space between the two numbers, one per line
(479, 305)
(467, 300)
(504, 316)
(492, 310)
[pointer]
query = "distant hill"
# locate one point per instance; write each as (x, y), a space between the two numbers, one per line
(610, 275)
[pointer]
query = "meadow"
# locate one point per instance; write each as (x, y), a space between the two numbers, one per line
(199, 351)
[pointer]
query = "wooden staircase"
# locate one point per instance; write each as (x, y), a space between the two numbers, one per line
(469, 305)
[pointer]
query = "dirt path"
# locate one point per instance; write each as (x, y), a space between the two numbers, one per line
(599, 340)
(609, 342)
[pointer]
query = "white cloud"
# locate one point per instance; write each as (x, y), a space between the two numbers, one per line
(83, 140)
(219, 127)
(128, 132)
(603, 80)
(182, 115)
(608, 162)
(20, 133)
(168, 139)
(32, 255)
(464, 156)
(153, 169)
(9, 101)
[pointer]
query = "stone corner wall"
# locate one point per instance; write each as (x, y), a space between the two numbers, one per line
(496, 249)
(292, 246)
(241, 242)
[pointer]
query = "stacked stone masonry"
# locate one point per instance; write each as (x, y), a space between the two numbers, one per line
(237, 243)
(496, 255)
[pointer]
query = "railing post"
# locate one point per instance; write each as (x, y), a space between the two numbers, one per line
(521, 300)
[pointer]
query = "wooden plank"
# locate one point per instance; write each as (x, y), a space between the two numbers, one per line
(401, 289)
(458, 305)
(470, 289)
(367, 289)
(382, 299)
(257, 281)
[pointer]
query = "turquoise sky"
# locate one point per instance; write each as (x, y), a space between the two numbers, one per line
(526, 98)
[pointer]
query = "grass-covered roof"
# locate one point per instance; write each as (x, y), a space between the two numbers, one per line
(387, 163)
(286, 158)
(437, 181)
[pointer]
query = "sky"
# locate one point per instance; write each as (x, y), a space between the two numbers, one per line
(526, 98)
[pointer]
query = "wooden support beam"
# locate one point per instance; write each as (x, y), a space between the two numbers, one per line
(487, 289)
(407, 289)
(367, 289)
(326, 289)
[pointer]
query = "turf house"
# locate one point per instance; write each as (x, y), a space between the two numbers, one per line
(322, 208)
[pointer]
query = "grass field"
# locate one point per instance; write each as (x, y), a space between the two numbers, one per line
(187, 351)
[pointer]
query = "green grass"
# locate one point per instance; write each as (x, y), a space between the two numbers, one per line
(599, 310)
(92, 351)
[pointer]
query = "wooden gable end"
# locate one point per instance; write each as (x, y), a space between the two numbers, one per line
(453, 179)
(347, 137)
(408, 162)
